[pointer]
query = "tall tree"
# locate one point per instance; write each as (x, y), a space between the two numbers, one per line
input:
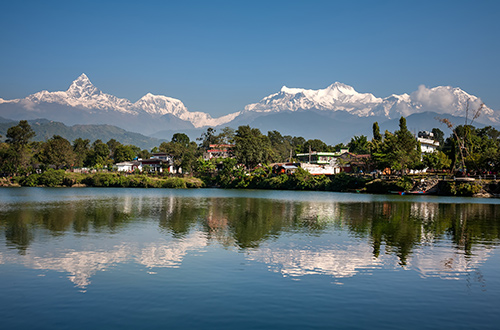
(112, 145)
(58, 152)
(20, 135)
(226, 136)
(315, 145)
(124, 153)
(281, 147)
(81, 149)
(376, 132)
(407, 153)
(438, 136)
(183, 151)
(207, 138)
(359, 145)
(18, 138)
(99, 155)
(251, 147)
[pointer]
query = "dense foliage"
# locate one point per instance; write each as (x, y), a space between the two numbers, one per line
(467, 149)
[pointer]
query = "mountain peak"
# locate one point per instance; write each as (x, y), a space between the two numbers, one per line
(83, 76)
(82, 88)
(339, 85)
(288, 90)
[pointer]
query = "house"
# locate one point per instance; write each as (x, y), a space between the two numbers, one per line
(316, 169)
(284, 168)
(353, 163)
(321, 158)
(219, 151)
(128, 166)
(318, 163)
(158, 162)
(427, 143)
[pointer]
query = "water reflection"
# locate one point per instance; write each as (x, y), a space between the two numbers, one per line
(294, 238)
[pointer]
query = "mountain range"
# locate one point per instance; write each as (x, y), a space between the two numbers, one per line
(333, 114)
(44, 129)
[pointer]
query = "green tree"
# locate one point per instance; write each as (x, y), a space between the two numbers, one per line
(144, 154)
(359, 145)
(183, 151)
(376, 132)
(99, 155)
(315, 145)
(81, 149)
(406, 154)
(251, 147)
(181, 138)
(18, 139)
(124, 153)
(296, 142)
(438, 136)
(281, 147)
(20, 135)
(112, 145)
(207, 138)
(58, 152)
(436, 160)
(226, 136)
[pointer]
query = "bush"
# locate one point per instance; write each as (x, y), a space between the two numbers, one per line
(379, 186)
(29, 181)
(174, 183)
(194, 183)
(459, 188)
(405, 183)
(51, 178)
(344, 182)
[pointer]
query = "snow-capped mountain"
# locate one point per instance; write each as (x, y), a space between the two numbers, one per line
(162, 105)
(341, 97)
(82, 94)
(336, 108)
(335, 97)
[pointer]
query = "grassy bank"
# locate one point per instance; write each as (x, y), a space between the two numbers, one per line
(260, 179)
(60, 178)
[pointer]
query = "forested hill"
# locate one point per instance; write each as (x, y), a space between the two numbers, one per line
(45, 129)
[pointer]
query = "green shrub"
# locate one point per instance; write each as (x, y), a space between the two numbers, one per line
(51, 178)
(175, 183)
(29, 181)
(380, 186)
(194, 183)
(344, 182)
(405, 183)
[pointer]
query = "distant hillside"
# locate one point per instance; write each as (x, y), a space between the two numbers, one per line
(45, 129)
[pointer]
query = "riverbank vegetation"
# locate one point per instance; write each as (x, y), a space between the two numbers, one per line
(58, 162)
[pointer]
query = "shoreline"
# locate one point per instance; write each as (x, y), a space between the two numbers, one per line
(452, 188)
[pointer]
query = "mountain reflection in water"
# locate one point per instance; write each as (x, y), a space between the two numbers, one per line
(291, 236)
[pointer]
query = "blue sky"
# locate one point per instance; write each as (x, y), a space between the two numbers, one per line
(218, 56)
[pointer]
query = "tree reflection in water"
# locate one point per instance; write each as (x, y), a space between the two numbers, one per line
(378, 230)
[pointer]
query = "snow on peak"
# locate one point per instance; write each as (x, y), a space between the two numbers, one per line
(84, 95)
(337, 96)
(287, 90)
(342, 97)
(447, 99)
(160, 105)
(82, 88)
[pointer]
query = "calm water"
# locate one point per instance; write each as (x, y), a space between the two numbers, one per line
(227, 259)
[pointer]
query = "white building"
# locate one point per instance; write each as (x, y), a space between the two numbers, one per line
(157, 163)
(128, 166)
(427, 143)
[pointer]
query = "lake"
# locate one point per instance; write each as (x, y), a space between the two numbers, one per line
(105, 258)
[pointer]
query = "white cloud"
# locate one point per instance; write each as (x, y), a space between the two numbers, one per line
(439, 98)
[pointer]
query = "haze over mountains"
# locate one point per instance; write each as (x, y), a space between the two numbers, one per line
(333, 114)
